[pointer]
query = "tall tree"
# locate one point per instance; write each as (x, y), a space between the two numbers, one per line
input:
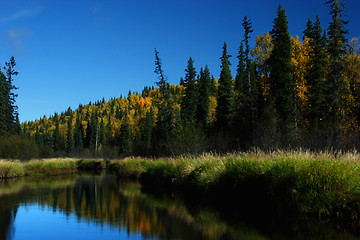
(188, 103)
(203, 104)
(3, 105)
(56, 134)
(146, 131)
(165, 120)
(224, 106)
(69, 136)
(282, 85)
(315, 77)
(246, 86)
(125, 138)
(338, 89)
(78, 134)
(102, 136)
(10, 96)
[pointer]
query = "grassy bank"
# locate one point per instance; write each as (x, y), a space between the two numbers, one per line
(48, 167)
(324, 184)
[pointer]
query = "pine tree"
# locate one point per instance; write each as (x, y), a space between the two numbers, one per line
(225, 94)
(203, 104)
(3, 104)
(69, 136)
(338, 90)
(125, 138)
(10, 96)
(282, 86)
(246, 88)
(315, 77)
(102, 136)
(78, 134)
(56, 134)
(188, 103)
(109, 131)
(146, 131)
(94, 132)
(165, 122)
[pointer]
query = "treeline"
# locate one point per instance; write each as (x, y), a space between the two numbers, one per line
(286, 93)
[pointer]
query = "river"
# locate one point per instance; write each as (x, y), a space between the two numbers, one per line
(106, 207)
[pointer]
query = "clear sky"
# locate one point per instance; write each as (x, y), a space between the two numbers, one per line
(70, 52)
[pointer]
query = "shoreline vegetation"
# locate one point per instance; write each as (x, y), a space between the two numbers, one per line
(324, 185)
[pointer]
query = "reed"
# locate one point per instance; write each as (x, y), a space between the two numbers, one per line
(323, 184)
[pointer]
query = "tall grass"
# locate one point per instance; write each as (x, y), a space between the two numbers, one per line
(48, 167)
(323, 184)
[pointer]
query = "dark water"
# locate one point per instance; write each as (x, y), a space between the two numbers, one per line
(104, 207)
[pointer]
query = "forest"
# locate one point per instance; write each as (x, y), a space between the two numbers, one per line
(287, 93)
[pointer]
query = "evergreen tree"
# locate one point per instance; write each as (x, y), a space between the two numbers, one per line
(240, 71)
(246, 86)
(225, 94)
(282, 85)
(69, 136)
(125, 138)
(315, 77)
(78, 134)
(203, 104)
(188, 103)
(9, 97)
(94, 132)
(146, 131)
(109, 131)
(3, 104)
(102, 136)
(56, 134)
(338, 90)
(165, 122)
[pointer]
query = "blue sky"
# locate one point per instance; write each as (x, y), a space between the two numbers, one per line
(71, 52)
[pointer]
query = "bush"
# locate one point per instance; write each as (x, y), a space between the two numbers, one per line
(18, 147)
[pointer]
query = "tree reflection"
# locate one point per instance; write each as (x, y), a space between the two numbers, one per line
(120, 204)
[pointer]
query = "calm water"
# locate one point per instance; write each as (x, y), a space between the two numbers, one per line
(104, 207)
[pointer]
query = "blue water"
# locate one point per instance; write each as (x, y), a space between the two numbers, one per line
(105, 207)
(37, 222)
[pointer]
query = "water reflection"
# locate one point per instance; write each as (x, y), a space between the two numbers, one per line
(110, 205)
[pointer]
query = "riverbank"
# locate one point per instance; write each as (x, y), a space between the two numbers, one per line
(322, 185)
(47, 167)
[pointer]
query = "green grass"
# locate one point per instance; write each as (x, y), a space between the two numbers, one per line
(323, 184)
(47, 167)
(10, 169)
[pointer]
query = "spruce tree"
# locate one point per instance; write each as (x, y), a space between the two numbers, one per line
(10, 96)
(125, 138)
(69, 136)
(78, 134)
(165, 122)
(188, 103)
(56, 134)
(246, 88)
(203, 104)
(338, 92)
(224, 106)
(3, 104)
(146, 131)
(94, 132)
(102, 136)
(315, 77)
(109, 131)
(282, 85)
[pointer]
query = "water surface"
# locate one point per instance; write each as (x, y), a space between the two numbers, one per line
(105, 207)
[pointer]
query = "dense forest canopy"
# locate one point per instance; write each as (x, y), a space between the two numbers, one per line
(286, 92)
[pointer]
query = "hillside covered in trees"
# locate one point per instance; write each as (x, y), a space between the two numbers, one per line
(286, 92)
